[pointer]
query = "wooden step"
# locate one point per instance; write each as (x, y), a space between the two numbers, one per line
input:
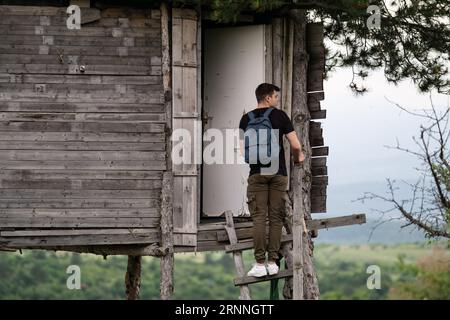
(249, 280)
(246, 245)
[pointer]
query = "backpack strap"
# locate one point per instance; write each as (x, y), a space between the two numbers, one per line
(251, 115)
(267, 113)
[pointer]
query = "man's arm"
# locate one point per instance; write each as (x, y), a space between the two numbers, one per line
(296, 147)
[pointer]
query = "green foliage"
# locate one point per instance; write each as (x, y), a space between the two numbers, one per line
(341, 272)
(428, 278)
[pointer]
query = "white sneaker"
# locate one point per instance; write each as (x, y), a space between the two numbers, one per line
(272, 268)
(257, 271)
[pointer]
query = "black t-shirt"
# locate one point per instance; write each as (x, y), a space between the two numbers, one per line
(280, 121)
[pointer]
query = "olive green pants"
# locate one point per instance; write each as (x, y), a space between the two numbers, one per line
(266, 196)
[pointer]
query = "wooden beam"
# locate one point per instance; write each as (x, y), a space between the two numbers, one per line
(133, 250)
(245, 233)
(359, 218)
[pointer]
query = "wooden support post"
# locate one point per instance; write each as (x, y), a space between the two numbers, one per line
(133, 278)
(304, 278)
(167, 261)
(297, 234)
(237, 255)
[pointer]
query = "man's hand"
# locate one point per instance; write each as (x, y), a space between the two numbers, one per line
(301, 158)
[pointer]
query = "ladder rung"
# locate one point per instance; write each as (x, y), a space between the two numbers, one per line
(248, 280)
(246, 245)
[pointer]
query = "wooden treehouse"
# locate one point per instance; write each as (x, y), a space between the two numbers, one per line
(86, 120)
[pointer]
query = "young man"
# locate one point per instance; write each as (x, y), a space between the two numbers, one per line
(266, 193)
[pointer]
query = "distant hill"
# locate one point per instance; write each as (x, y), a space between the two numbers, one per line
(341, 200)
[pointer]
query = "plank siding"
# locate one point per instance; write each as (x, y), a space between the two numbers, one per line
(82, 122)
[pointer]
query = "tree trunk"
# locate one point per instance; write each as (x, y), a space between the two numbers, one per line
(300, 118)
(133, 278)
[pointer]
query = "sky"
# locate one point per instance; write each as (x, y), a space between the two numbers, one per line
(357, 130)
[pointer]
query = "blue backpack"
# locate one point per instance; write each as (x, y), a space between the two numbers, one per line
(259, 139)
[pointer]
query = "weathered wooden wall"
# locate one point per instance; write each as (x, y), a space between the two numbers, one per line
(82, 151)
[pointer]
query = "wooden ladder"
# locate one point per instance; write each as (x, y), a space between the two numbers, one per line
(236, 248)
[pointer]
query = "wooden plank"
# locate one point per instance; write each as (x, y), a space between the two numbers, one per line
(318, 161)
(85, 31)
(82, 79)
(81, 222)
(80, 106)
(98, 127)
(313, 106)
(237, 255)
(315, 224)
(44, 90)
(80, 174)
(318, 190)
(321, 114)
(320, 151)
(31, 10)
(50, 203)
(268, 53)
(321, 180)
(78, 194)
(249, 280)
(83, 165)
(80, 240)
(182, 13)
(319, 206)
(152, 249)
(316, 142)
(315, 80)
(81, 146)
(66, 40)
(78, 232)
(150, 51)
(80, 184)
(221, 225)
(314, 34)
(315, 96)
(288, 40)
(336, 221)
(86, 60)
(81, 136)
(185, 101)
(8, 155)
(92, 69)
(319, 171)
(33, 213)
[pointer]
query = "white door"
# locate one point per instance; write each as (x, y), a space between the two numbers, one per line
(233, 68)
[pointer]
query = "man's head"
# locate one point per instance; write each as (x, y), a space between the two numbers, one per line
(267, 94)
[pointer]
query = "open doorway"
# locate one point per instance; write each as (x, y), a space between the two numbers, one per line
(233, 66)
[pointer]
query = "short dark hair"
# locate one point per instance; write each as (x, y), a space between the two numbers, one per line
(265, 89)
